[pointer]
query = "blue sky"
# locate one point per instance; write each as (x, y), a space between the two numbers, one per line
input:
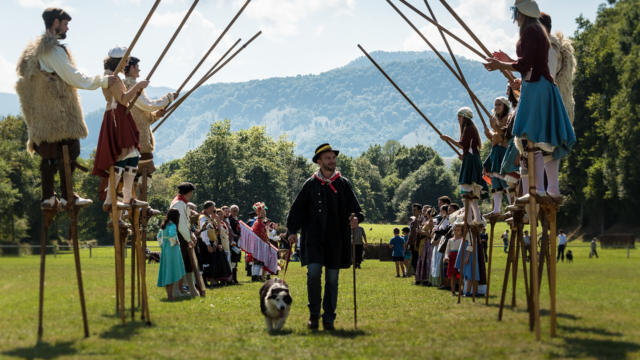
(299, 36)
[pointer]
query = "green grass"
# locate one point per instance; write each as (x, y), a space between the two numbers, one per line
(598, 316)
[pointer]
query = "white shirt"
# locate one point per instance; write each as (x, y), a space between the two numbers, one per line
(57, 61)
(203, 234)
(183, 225)
(562, 239)
(144, 103)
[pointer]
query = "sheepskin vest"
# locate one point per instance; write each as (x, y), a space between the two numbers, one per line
(143, 120)
(564, 77)
(50, 106)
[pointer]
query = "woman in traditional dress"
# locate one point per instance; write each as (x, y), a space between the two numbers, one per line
(542, 118)
(470, 179)
(498, 123)
(118, 142)
(423, 267)
(171, 265)
(439, 239)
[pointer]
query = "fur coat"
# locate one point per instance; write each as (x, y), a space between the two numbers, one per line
(50, 106)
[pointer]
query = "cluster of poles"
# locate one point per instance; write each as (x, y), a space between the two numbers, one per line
(138, 215)
(548, 208)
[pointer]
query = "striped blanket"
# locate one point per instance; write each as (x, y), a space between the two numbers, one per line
(259, 250)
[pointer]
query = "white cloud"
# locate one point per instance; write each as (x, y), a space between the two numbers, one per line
(173, 19)
(280, 18)
(43, 4)
(7, 76)
(489, 19)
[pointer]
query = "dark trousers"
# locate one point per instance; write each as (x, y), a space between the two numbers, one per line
(593, 253)
(358, 250)
(506, 244)
(561, 252)
(314, 292)
(52, 161)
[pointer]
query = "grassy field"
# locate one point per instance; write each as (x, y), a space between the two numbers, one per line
(598, 316)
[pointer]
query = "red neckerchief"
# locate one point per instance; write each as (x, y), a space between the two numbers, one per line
(328, 182)
(180, 198)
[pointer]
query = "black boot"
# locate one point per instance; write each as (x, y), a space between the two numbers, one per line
(235, 276)
(312, 324)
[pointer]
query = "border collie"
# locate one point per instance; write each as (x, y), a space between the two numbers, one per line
(275, 303)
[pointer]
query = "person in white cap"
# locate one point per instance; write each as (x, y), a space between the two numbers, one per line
(470, 180)
(145, 112)
(499, 142)
(542, 118)
(46, 86)
(119, 139)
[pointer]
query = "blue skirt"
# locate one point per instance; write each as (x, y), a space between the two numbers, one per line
(509, 161)
(494, 161)
(171, 264)
(471, 170)
(468, 271)
(542, 117)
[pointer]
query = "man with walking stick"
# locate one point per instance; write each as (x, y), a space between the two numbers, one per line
(323, 211)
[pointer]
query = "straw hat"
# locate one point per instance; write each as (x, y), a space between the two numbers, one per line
(528, 7)
(465, 112)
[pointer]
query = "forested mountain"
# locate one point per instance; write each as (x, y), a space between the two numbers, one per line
(352, 106)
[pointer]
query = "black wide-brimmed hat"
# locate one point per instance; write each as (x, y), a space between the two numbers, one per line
(323, 148)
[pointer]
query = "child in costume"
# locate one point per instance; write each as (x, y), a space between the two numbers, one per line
(499, 142)
(470, 180)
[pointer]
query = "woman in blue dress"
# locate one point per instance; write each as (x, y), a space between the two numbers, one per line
(171, 264)
(493, 163)
(542, 118)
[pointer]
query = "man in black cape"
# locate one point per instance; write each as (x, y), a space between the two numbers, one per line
(322, 211)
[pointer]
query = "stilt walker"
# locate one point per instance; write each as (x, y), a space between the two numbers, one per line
(46, 86)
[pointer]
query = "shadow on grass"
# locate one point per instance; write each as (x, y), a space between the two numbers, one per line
(341, 333)
(592, 330)
(280, 332)
(123, 332)
(43, 350)
(543, 312)
(596, 348)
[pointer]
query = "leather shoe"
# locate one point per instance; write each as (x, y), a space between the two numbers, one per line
(312, 324)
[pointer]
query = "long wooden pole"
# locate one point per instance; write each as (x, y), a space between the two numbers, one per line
(213, 46)
(212, 72)
(507, 74)
(465, 231)
(406, 97)
(486, 295)
(445, 30)
(433, 48)
(124, 59)
(166, 48)
(507, 272)
(117, 244)
(202, 80)
(353, 265)
(552, 213)
(476, 104)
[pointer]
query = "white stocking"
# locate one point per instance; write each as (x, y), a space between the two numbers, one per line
(552, 168)
(539, 168)
(118, 175)
(497, 202)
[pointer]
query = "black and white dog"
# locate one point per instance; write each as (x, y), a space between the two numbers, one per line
(275, 303)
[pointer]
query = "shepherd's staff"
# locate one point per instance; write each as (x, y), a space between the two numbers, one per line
(455, 62)
(353, 265)
(213, 46)
(444, 61)
(406, 97)
(164, 52)
(171, 108)
(506, 73)
(208, 76)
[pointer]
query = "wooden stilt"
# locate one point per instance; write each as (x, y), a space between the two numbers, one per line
(117, 244)
(73, 233)
(138, 249)
(534, 241)
(47, 216)
(142, 195)
(493, 226)
(133, 278)
(474, 262)
(552, 212)
(515, 270)
(507, 272)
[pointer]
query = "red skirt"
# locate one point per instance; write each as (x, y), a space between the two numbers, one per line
(451, 267)
(118, 131)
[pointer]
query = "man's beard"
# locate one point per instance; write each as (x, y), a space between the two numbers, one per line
(62, 36)
(329, 168)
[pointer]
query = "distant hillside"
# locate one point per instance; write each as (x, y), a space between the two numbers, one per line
(351, 107)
